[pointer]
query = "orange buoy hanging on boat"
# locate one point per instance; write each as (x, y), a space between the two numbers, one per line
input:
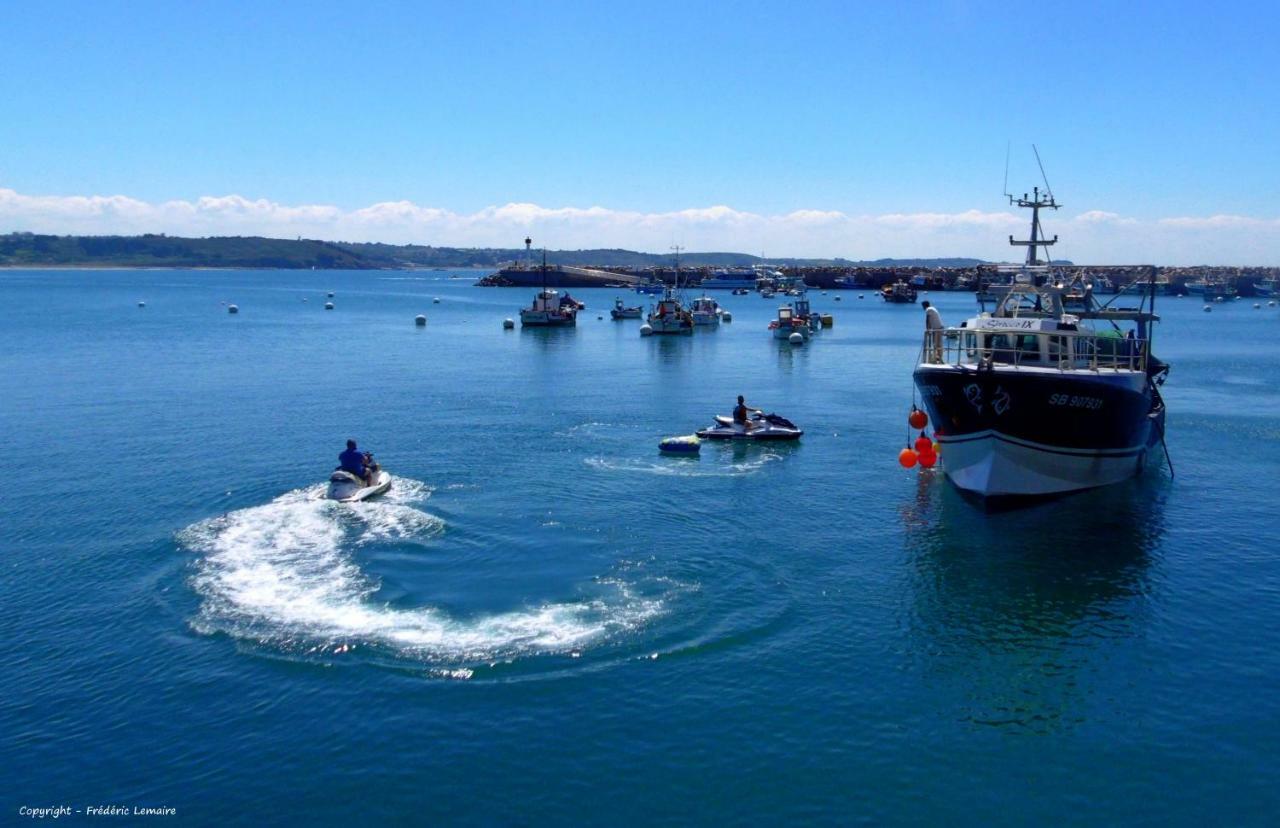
(907, 458)
(924, 445)
(927, 459)
(917, 418)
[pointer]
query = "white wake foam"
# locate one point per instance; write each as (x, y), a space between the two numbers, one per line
(684, 466)
(282, 574)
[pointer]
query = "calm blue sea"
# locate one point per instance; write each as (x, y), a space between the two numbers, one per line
(546, 621)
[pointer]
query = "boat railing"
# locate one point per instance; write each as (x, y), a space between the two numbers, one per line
(1063, 350)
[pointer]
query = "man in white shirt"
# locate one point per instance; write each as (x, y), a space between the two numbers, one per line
(933, 326)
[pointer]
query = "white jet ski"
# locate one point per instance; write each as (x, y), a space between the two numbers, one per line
(345, 487)
(761, 427)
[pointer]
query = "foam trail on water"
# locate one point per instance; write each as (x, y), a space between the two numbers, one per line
(682, 466)
(282, 574)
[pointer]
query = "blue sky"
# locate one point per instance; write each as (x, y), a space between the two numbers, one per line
(1144, 111)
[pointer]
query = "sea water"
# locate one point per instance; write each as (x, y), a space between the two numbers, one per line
(547, 620)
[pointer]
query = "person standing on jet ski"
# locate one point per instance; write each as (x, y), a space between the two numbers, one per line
(359, 463)
(741, 414)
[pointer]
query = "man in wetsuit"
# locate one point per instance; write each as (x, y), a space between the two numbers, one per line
(741, 414)
(354, 461)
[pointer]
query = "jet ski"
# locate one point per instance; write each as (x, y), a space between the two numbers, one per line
(761, 427)
(345, 487)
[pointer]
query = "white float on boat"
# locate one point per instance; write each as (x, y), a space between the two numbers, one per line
(796, 339)
(646, 330)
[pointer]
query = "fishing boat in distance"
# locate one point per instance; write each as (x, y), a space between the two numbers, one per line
(670, 316)
(621, 311)
(1034, 399)
(899, 293)
(549, 308)
(706, 311)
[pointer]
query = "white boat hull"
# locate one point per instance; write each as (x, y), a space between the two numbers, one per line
(991, 464)
(661, 326)
(546, 319)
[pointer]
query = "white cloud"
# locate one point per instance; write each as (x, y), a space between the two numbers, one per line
(1094, 236)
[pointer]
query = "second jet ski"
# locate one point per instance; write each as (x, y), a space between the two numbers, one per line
(759, 427)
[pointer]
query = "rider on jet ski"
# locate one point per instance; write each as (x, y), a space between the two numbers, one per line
(359, 463)
(741, 414)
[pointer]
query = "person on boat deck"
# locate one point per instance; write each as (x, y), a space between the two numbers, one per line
(354, 461)
(741, 414)
(933, 326)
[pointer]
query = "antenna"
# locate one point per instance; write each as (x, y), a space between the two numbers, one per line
(1008, 145)
(1047, 188)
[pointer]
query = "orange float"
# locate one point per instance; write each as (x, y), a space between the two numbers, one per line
(907, 458)
(917, 418)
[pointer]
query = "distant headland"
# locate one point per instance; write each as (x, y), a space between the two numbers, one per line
(159, 250)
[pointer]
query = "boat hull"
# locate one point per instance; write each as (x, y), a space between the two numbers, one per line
(1019, 433)
(542, 319)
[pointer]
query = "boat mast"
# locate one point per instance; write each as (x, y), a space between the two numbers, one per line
(677, 248)
(544, 272)
(1035, 203)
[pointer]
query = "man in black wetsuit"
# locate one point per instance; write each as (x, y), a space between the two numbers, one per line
(741, 414)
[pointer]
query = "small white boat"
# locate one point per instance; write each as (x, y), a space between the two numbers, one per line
(345, 487)
(706, 311)
(620, 311)
(788, 323)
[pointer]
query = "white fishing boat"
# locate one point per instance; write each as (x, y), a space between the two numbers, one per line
(669, 316)
(705, 311)
(787, 323)
(621, 311)
(549, 308)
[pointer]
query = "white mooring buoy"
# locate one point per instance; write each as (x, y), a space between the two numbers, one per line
(508, 324)
(328, 306)
(646, 330)
(420, 320)
(435, 301)
(142, 304)
(726, 317)
(232, 309)
(796, 339)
